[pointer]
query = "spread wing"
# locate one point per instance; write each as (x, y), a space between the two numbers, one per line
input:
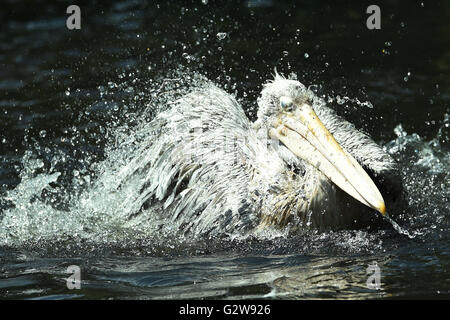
(194, 170)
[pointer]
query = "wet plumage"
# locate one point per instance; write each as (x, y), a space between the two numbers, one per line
(208, 170)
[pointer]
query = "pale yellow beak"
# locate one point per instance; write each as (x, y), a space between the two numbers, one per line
(306, 136)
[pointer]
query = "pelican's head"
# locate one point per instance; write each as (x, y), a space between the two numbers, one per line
(286, 111)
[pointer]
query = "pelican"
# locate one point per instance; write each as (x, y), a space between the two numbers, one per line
(206, 169)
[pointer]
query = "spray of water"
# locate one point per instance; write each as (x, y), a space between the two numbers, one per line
(399, 229)
(57, 201)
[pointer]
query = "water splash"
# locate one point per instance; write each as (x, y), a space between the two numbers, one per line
(398, 228)
(49, 205)
(425, 170)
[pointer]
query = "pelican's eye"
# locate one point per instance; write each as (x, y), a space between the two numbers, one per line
(287, 103)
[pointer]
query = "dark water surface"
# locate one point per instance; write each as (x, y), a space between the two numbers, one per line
(68, 99)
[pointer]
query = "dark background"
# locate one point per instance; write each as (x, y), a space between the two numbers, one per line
(344, 56)
(64, 94)
(53, 80)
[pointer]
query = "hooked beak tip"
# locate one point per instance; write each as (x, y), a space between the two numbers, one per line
(382, 209)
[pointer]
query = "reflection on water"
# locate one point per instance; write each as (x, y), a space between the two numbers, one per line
(71, 105)
(221, 276)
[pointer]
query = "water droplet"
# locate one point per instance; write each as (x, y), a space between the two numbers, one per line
(112, 84)
(306, 55)
(67, 92)
(42, 133)
(221, 35)
(340, 100)
(205, 2)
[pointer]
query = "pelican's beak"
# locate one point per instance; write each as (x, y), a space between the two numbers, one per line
(306, 136)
